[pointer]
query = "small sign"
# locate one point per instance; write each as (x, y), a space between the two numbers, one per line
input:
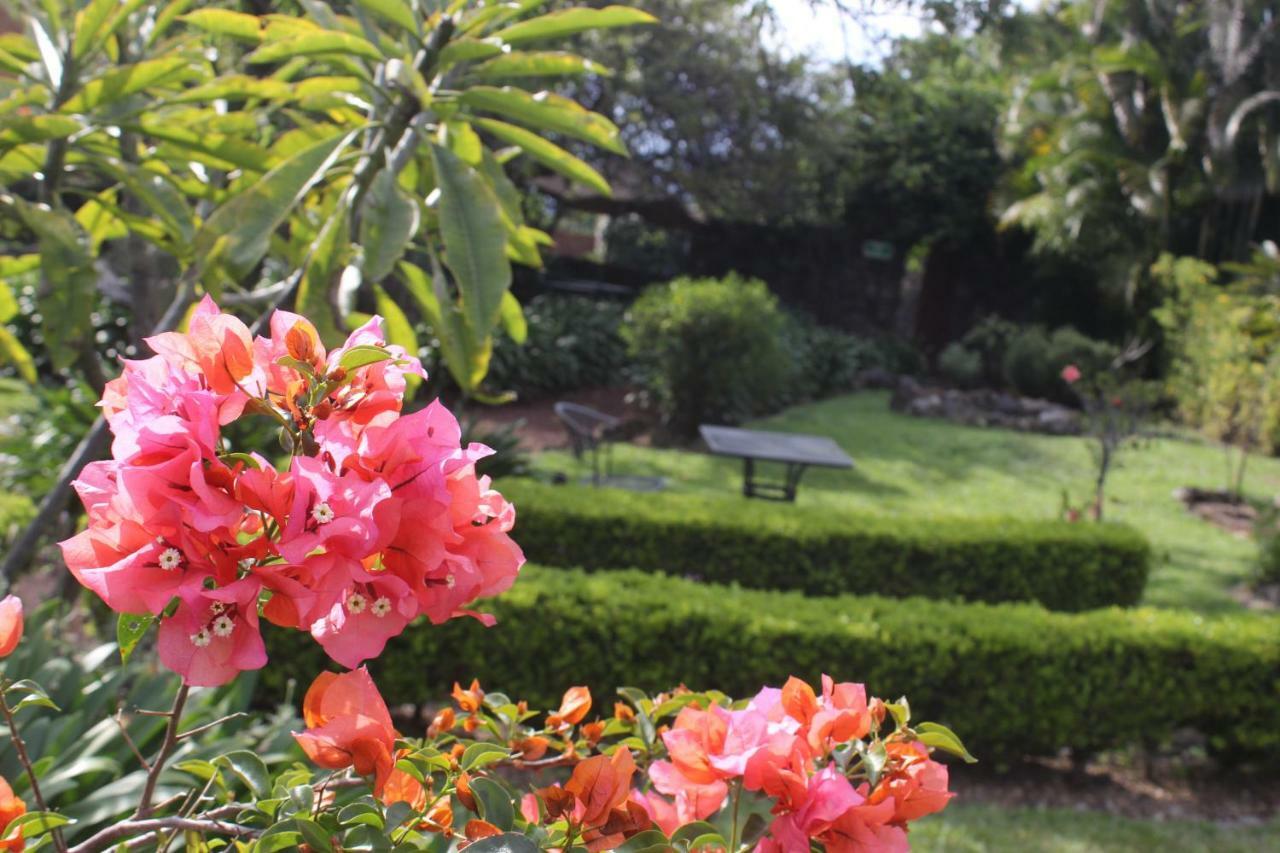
(877, 250)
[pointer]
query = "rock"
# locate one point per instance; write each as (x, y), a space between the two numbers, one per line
(877, 377)
(983, 407)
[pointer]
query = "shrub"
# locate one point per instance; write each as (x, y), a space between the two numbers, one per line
(990, 339)
(573, 342)
(1014, 678)
(826, 361)
(1034, 361)
(1267, 533)
(1063, 566)
(961, 365)
(710, 350)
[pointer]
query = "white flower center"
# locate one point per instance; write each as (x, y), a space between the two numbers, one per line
(201, 638)
(450, 581)
(381, 607)
(217, 607)
(356, 603)
(170, 559)
(322, 513)
(223, 626)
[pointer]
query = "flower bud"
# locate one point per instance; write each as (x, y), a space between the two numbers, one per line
(10, 624)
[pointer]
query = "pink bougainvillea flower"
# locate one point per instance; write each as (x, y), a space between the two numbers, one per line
(348, 725)
(915, 783)
(11, 622)
(343, 514)
(690, 800)
(828, 795)
(213, 636)
(1071, 374)
(218, 346)
(838, 716)
(127, 566)
(371, 610)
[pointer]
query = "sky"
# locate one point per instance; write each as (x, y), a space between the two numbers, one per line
(821, 34)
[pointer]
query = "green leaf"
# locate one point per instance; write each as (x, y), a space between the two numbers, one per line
(468, 50)
(126, 80)
(314, 43)
(569, 21)
(249, 768)
(546, 111)
(68, 279)
(248, 220)
(399, 331)
(320, 277)
(482, 754)
(941, 737)
(225, 23)
(88, 23)
(509, 842)
(474, 239)
(550, 63)
(130, 629)
(219, 150)
(33, 824)
(388, 221)
(512, 317)
(15, 354)
(547, 153)
(198, 767)
(494, 802)
(362, 355)
(396, 12)
(361, 814)
(18, 129)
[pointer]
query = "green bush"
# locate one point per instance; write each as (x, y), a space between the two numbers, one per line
(1011, 679)
(1267, 533)
(1063, 566)
(709, 350)
(826, 361)
(990, 338)
(1035, 358)
(961, 365)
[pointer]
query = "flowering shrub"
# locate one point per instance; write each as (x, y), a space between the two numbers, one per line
(370, 519)
(375, 518)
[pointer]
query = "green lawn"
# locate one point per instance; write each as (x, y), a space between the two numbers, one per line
(978, 828)
(933, 468)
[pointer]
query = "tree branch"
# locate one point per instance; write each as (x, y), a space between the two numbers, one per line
(1241, 112)
(113, 835)
(166, 748)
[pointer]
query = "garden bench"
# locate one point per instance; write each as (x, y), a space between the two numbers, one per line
(795, 450)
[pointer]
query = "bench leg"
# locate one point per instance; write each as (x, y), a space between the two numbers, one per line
(794, 473)
(748, 477)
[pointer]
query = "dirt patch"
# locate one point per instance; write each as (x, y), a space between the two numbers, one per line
(1220, 509)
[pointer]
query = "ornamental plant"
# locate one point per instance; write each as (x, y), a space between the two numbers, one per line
(365, 519)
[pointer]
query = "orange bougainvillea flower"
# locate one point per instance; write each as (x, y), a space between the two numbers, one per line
(400, 787)
(477, 829)
(469, 700)
(439, 818)
(442, 722)
(531, 748)
(593, 731)
(348, 725)
(10, 624)
(573, 708)
(11, 808)
(462, 788)
(601, 784)
(622, 711)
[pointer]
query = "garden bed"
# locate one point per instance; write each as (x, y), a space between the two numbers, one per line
(984, 408)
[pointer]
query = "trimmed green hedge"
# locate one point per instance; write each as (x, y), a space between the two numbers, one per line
(1011, 679)
(766, 546)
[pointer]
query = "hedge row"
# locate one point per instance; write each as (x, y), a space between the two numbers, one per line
(1012, 679)
(765, 546)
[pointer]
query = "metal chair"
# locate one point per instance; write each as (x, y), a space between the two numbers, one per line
(588, 429)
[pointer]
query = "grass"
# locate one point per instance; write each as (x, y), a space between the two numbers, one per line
(926, 468)
(971, 828)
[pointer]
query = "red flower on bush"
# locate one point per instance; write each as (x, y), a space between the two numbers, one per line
(348, 725)
(11, 622)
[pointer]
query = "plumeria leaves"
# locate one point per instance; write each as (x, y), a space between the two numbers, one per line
(940, 737)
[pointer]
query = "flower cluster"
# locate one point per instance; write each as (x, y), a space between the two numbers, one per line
(800, 749)
(375, 518)
(832, 768)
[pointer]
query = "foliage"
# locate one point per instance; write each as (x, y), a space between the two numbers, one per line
(1142, 128)
(43, 427)
(1035, 359)
(961, 365)
(573, 342)
(1266, 530)
(990, 338)
(1064, 567)
(709, 350)
(509, 459)
(1016, 679)
(826, 361)
(1224, 347)
(355, 167)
